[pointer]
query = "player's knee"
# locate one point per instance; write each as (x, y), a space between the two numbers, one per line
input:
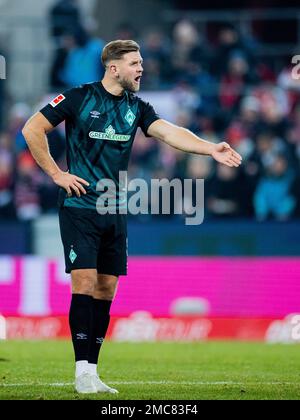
(105, 289)
(104, 292)
(85, 288)
(83, 283)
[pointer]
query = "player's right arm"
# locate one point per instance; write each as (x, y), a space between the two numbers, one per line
(35, 133)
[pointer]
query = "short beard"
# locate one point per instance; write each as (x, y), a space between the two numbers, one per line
(127, 85)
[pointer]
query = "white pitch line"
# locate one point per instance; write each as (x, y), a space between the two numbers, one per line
(190, 383)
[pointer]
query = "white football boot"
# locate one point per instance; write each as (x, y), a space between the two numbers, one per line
(84, 384)
(101, 386)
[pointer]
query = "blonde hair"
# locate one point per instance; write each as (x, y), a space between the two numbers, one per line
(115, 50)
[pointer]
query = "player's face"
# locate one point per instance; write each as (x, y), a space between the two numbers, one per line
(130, 71)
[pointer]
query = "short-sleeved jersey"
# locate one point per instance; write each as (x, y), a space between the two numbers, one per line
(100, 129)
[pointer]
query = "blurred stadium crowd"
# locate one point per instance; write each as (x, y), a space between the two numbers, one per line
(225, 92)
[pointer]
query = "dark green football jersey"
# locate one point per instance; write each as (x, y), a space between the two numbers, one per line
(100, 129)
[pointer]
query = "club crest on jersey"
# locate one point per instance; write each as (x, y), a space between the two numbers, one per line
(130, 117)
(57, 100)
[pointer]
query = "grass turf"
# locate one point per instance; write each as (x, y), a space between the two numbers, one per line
(35, 370)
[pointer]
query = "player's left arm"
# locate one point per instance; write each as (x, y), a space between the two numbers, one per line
(182, 139)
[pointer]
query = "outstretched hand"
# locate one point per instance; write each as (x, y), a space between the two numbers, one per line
(70, 182)
(223, 153)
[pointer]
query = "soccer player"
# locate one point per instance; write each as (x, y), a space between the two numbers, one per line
(101, 122)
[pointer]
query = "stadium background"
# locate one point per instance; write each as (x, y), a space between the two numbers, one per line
(224, 73)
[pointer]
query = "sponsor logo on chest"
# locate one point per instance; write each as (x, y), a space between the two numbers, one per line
(109, 134)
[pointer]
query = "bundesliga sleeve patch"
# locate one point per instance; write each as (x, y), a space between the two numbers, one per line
(57, 100)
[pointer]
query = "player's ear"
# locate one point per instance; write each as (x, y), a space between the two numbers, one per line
(114, 70)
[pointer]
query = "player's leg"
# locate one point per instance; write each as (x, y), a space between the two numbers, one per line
(80, 315)
(111, 263)
(104, 293)
(80, 252)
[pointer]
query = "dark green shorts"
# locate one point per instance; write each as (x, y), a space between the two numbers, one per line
(92, 240)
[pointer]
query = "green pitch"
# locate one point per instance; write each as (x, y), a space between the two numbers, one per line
(195, 371)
